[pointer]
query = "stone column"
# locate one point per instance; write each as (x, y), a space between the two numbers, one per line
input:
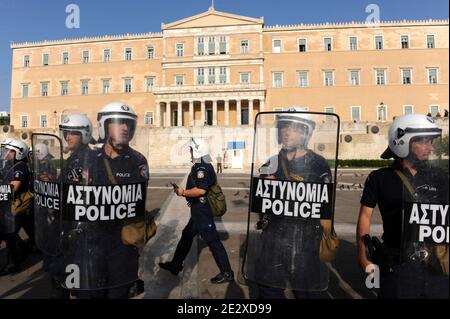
(180, 114)
(158, 114)
(191, 113)
(238, 112)
(168, 115)
(250, 111)
(215, 113)
(227, 112)
(202, 115)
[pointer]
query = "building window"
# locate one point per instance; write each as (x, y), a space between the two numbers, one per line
(408, 109)
(179, 79)
(301, 45)
(127, 85)
(180, 49)
(277, 79)
(432, 76)
(244, 46)
(354, 77)
(26, 61)
(430, 41)
(106, 55)
(244, 116)
(211, 75)
(43, 120)
(381, 113)
(64, 88)
(200, 76)
(106, 86)
(85, 56)
(201, 46)
(223, 44)
(379, 42)
(276, 46)
(406, 76)
(244, 78)
(327, 44)
(353, 43)
(65, 59)
(356, 113)
(25, 90)
(148, 118)
(212, 45)
(223, 75)
(303, 78)
(328, 78)
(24, 121)
(128, 54)
(45, 59)
(150, 83)
(329, 118)
(84, 87)
(434, 110)
(380, 77)
(405, 41)
(150, 52)
(44, 89)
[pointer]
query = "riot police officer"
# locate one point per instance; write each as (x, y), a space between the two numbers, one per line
(409, 268)
(76, 131)
(15, 171)
(201, 178)
(115, 266)
(288, 256)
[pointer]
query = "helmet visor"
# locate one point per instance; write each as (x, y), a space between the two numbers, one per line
(120, 130)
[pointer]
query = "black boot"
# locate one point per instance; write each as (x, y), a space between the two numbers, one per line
(172, 267)
(226, 276)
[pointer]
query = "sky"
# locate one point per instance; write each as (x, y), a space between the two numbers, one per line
(31, 20)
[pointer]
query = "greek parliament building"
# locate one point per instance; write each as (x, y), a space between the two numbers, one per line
(217, 70)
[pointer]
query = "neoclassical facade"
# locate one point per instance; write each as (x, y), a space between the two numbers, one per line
(220, 69)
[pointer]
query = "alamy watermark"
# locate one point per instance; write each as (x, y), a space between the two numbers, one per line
(73, 19)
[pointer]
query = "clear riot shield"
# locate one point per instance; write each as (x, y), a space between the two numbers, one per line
(425, 229)
(47, 161)
(292, 199)
(104, 210)
(7, 219)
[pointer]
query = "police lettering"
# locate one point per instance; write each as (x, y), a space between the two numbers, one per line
(104, 203)
(103, 213)
(292, 199)
(432, 220)
(47, 194)
(5, 193)
(304, 210)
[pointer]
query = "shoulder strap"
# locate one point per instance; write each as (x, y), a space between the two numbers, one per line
(406, 182)
(111, 177)
(12, 169)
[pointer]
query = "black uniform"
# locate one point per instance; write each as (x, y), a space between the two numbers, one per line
(384, 188)
(115, 263)
(202, 176)
(294, 244)
(16, 246)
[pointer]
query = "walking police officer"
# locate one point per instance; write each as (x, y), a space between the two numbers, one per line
(201, 178)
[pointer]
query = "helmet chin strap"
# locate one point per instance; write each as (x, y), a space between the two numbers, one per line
(415, 161)
(117, 150)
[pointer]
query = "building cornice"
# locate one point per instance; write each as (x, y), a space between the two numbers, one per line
(353, 24)
(122, 37)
